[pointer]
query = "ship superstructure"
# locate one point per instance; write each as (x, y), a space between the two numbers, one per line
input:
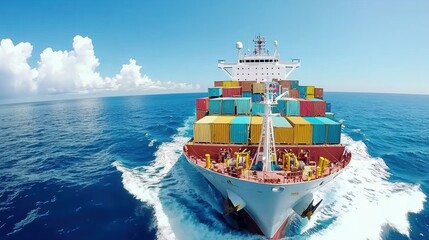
(264, 143)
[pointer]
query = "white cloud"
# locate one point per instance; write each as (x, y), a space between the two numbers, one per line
(73, 71)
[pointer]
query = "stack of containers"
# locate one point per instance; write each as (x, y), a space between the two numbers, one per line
(215, 106)
(306, 108)
(203, 129)
(239, 130)
(301, 130)
(243, 105)
(310, 92)
(318, 93)
(215, 92)
(318, 130)
(227, 106)
(288, 107)
(231, 91)
(302, 91)
(202, 107)
(283, 131)
(221, 129)
(255, 129)
(231, 84)
(333, 130)
(319, 107)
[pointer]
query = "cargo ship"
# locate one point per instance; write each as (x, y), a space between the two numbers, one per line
(264, 142)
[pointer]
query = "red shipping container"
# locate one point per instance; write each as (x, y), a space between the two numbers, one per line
(246, 86)
(285, 83)
(201, 114)
(293, 93)
(319, 108)
(306, 108)
(218, 83)
(203, 104)
(318, 93)
(231, 92)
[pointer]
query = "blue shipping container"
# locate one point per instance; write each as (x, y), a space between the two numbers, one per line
(243, 105)
(302, 91)
(257, 108)
(239, 129)
(319, 130)
(257, 97)
(215, 106)
(294, 84)
(247, 94)
(328, 107)
(228, 106)
(215, 92)
(333, 130)
(288, 107)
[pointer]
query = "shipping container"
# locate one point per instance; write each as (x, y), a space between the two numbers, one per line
(275, 88)
(246, 86)
(328, 107)
(302, 133)
(257, 97)
(318, 130)
(294, 84)
(257, 108)
(215, 106)
(255, 128)
(319, 107)
(306, 108)
(310, 90)
(247, 94)
(285, 83)
(243, 105)
(215, 92)
(202, 103)
(283, 131)
(333, 130)
(231, 84)
(309, 96)
(218, 83)
(318, 93)
(258, 88)
(201, 113)
(302, 91)
(239, 130)
(203, 129)
(221, 129)
(293, 93)
(228, 106)
(231, 92)
(288, 107)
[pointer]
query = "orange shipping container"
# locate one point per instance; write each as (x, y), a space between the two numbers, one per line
(218, 83)
(293, 93)
(201, 114)
(246, 86)
(318, 93)
(220, 129)
(255, 129)
(285, 83)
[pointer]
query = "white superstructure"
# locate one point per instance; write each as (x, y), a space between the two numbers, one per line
(258, 64)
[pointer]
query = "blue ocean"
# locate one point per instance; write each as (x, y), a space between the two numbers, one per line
(112, 168)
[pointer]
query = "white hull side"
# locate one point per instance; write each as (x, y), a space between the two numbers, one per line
(267, 208)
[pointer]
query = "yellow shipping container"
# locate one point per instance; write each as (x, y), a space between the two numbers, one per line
(309, 96)
(310, 90)
(302, 130)
(258, 88)
(220, 129)
(231, 84)
(202, 129)
(283, 135)
(255, 129)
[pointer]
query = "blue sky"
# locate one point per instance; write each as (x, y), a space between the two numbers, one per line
(358, 46)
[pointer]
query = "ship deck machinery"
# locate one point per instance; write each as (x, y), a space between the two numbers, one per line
(266, 183)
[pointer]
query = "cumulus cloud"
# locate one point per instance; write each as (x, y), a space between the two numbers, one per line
(73, 71)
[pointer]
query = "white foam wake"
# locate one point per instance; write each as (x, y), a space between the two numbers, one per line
(176, 201)
(360, 202)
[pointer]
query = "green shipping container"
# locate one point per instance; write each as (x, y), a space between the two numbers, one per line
(257, 108)
(288, 107)
(333, 129)
(318, 130)
(215, 106)
(239, 130)
(228, 106)
(243, 105)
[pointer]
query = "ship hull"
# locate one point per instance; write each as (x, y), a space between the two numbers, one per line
(269, 206)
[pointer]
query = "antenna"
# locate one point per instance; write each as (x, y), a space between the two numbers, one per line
(239, 46)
